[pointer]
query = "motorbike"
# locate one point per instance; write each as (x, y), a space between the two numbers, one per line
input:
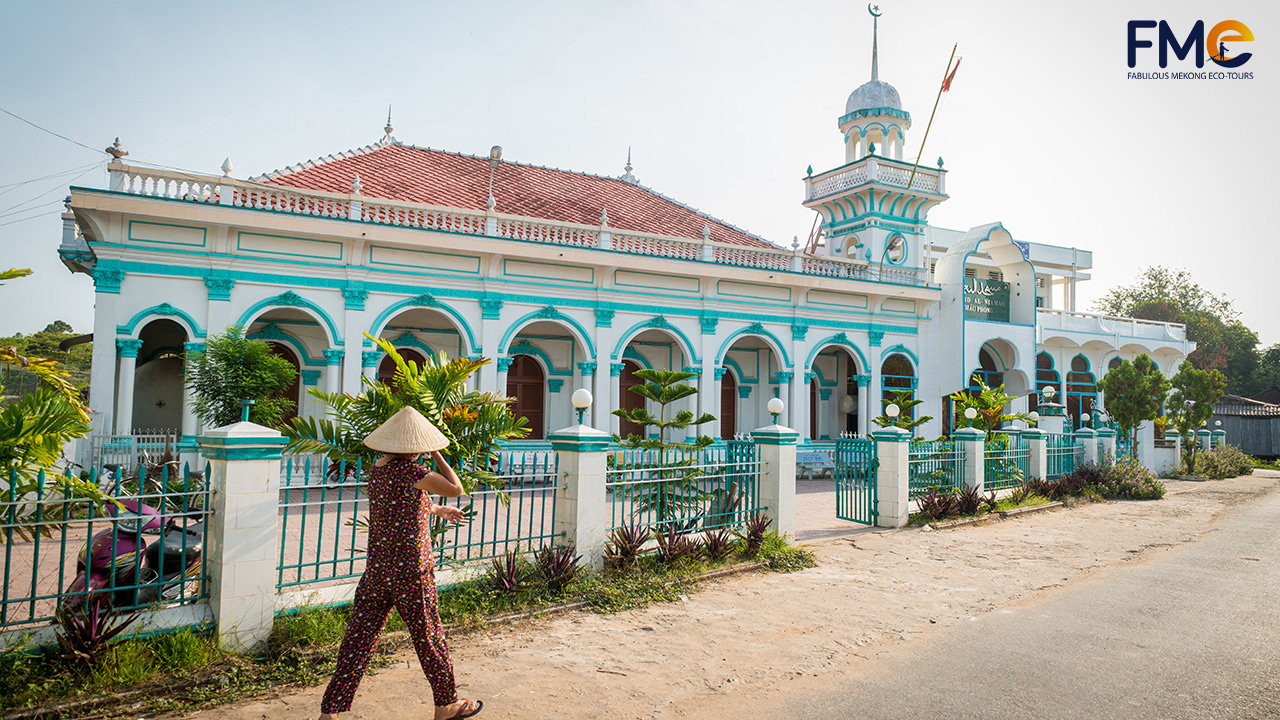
(144, 572)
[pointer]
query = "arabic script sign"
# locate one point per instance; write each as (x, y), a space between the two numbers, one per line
(986, 300)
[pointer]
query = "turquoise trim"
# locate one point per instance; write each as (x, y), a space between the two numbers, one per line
(657, 322)
(240, 246)
(579, 443)
(902, 350)
(524, 347)
(555, 385)
(409, 340)
(891, 435)
(739, 376)
(242, 448)
(549, 313)
(291, 299)
(839, 340)
(636, 356)
(507, 273)
(128, 348)
(429, 301)
(279, 335)
(759, 331)
(164, 310)
(775, 437)
(204, 233)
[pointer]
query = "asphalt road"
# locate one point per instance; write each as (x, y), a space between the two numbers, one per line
(1188, 632)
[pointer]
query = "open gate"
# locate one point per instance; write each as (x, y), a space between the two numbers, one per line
(856, 480)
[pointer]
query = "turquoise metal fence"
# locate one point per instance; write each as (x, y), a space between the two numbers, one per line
(934, 464)
(1007, 463)
(1061, 455)
(323, 518)
(48, 531)
(856, 488)
(690, 490)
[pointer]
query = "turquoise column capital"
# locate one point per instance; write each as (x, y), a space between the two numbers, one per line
(128, 348)
(332, 356)
(370, 358)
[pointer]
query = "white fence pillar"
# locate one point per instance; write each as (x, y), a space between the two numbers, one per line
(777, 448)
(1107, 438)
(582, 510)
(974, 443)
(1146, 445)
(1168, 456)
(893, 475)
(1205, 438)
(1219, 437)
(1053, 418)
(1089, 438)
(1038, 442)
(244, 531)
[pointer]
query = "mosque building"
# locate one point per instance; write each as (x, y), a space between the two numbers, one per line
(569, 279)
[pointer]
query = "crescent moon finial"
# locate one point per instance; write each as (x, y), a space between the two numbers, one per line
(875, 11)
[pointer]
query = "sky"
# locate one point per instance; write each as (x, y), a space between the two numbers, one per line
(723, 104)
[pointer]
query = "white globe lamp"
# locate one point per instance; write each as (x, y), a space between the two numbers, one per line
(775, 408)
(581, 400)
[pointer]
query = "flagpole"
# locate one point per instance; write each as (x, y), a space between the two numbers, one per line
(935, 110)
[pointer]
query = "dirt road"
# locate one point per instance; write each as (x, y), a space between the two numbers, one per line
(748, 638)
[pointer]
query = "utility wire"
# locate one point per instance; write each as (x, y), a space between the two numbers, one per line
(14, 209)
(14, 186)
(57, 135)
(32, 217)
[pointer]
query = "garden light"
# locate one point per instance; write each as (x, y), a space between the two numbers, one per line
(1084, 417)
(1048, 393)
(581, 400)
(970, 414)
(1217, 423)
(892, 410)
(775, 408)
(847, 404)
(1034, 416)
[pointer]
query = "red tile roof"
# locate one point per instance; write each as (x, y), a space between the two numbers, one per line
(414, 174)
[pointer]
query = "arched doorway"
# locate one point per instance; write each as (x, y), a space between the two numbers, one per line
(896, 374)
(293, 393)
(813, 407)
(988, 372)
(1082, 390)
(1046, 376)
(728, 406)
(387, 368)
(527, 385)
(157, 393)
(628, 400)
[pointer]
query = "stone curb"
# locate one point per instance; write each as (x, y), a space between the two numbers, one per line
(1003, 514)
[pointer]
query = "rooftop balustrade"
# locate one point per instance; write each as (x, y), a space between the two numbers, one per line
(885, 171)
(1070, 321)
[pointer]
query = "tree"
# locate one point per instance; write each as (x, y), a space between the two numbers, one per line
(990, 402)
(1161, 286)
(58, 326)
(234, 368)
(1134, 392)
(906, 403)
(474, 422)
(1191, 402)
(663, 387)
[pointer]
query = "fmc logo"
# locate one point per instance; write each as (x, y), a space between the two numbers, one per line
(1227, 31)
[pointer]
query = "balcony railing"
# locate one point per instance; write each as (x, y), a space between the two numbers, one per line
(884, 171)
(1110, 324)
(229, 191)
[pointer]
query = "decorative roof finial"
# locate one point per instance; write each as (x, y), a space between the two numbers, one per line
(626, 175)
(356, 187)
(604, 217)
(628, 168)
(388, 128)
(706, 232)
(227, 167)
(117, 150)
(875, 39)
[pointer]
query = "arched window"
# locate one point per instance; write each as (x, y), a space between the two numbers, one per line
(728, 405)
(293, 393)
(628, 400)
(1082, 390)
(988, 372)
(896, 374)
(527, 385)
(387, 368)
(1045, 376)
(1115, 363)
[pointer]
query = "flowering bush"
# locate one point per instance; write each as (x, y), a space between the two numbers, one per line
(1128, 479)
(1224, 461)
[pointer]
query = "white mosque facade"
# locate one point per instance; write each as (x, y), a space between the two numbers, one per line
(568, 280)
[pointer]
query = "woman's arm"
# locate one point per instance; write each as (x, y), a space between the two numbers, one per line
(444, 483)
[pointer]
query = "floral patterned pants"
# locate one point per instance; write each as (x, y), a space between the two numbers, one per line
(415, 598)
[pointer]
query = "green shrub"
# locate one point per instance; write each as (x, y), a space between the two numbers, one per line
(1224, 461)
(776, 554)
(1128, 479)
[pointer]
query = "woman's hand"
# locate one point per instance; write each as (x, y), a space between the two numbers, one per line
(450, 514)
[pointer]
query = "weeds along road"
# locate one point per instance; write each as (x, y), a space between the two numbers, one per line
(1106, 610)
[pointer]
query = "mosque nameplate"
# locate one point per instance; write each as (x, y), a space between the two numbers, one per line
(986, 300)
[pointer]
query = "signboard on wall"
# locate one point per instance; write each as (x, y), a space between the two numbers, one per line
(986, 300)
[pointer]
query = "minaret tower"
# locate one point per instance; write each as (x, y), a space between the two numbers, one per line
(867, 211)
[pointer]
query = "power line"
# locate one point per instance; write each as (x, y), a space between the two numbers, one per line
(56, 188)
(46, 213)
(14, 186)
(57, 135)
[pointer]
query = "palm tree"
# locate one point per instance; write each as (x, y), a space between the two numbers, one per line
(474, 422)
(990, 403)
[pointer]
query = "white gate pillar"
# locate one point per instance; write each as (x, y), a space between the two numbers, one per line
(974, 443)
(776, 448)
(892, 477)
(582, 505)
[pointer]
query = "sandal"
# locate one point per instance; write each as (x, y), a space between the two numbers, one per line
(463, 713)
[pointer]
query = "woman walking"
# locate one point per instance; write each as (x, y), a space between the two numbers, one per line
(400, 571)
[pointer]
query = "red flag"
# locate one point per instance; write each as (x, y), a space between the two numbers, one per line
(946, 84)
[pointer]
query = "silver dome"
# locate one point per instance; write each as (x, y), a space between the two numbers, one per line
(874, 94)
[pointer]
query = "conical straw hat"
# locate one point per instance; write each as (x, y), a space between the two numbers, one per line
(407, 433)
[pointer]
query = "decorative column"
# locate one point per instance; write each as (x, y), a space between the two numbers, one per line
(709, 382)
(795, 414)
(893, 476)
(492, 376)
(332, 369)
(103, 373)
(973, 441)
(354, 325)
(243, 531)
(694, 403)
(602, 378)
(1146, 445)
(582, 510)
(1089, 438)
(776, 448)
(1107, 439)
(586, 378)
(369, 363)
(1219, 436)
(128, 350)
(612, 422)
(309, 405)
(188, 400)
(503, 364)
(1205, 438)
(1038, 442)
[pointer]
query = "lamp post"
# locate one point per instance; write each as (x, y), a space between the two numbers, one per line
(581, 400)
(1048, 393)
(775, 408)
(969, 415)
(1034, 417)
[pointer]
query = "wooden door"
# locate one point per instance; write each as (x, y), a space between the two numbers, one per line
(728, 406)
(813, 409)
(527, 384)
(628, 400)
(293, 393)
(387, 368)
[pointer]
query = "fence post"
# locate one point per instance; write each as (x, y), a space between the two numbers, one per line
(974, 442)
(1053, 418)
(244, 530)
(777, 451)
(582, 511)
(1038, 464)
(1107, 437)
(1089, 438)
(1219, 437)
(1146, 445)
(893, 476)
(1205, 438)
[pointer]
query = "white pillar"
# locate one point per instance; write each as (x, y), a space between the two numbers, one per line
(585, 379)
(1146, 445)
(243, 533)
(1038, 441)
(1107, 438)
(712, 377)
(1053, 418)
(582, 510)
(1205, 438)
(893, 503)
(796, 413)
(490, 336)
(102, 379)
(1219, 437)
(1089, 438)
(973, 442)
(333, 369)
(188, 400)
(864, 406)
(602, 381)
(369, 362)
(776, 446)
(124, 384)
